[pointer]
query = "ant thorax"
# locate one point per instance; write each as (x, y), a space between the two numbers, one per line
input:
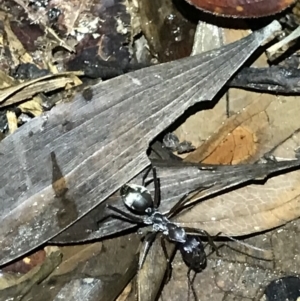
(159, 221)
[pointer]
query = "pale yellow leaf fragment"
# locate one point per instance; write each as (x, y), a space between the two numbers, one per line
(12, 121)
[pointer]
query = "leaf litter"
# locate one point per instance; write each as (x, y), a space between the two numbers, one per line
(254, 128)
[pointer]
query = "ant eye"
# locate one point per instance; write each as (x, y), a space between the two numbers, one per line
(136, 197)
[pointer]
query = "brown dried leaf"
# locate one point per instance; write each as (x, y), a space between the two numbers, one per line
(255, 208)
(14, 287)
(26, 264)
(240, 139)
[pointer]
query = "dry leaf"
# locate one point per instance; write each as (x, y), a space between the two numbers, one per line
(5, 80)
(18, 52)
(26, 264)
(95, 271)
(253, 208)
(33, 106)
(74, 255)
(104, 157)
(12, 121)
(30, 88)
(127, 290)
(241, 138)
(200, 126)
(15, 287)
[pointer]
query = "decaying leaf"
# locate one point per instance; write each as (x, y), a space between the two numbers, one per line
(5, 80)
(204, 124)
(30, 88)
(12, 121)
(97, 271)
(259, 123)
(250, 133)
(33, 106)
(18, 287)
(153, 272)
(17, 50)
(25, 264)
(264, 123)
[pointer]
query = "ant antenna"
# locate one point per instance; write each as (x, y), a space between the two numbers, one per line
(268, 253)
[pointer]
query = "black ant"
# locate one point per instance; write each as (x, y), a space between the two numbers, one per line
(139, 200)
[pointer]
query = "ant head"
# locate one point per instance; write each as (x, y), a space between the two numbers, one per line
(137, 198)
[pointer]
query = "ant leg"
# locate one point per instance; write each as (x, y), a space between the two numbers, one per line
(128, 216)
(156, 185)
(149, 238)
(174, 209)
(156, 189)
(191, 285)
(146, 175)
(169, 267)
(184, 200)
(211, 241)
(268, 253)
(219, 247)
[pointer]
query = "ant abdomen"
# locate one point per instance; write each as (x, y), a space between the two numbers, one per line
(193, 253)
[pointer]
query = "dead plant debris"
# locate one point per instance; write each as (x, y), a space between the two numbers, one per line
(51, 50)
